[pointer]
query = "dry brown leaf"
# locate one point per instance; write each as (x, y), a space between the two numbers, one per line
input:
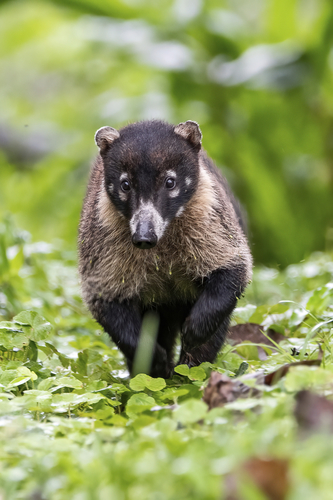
(313, 412)
(221, 389)
(252, 332)
(273, 377)
(270, 476)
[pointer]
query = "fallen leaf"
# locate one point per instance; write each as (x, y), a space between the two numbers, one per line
(270, 476)
(273, 377)
(252, 332)
(221, 389)
(313, 411)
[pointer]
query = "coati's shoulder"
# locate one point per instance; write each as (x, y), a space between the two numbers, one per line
(221, 181)
(90, 220)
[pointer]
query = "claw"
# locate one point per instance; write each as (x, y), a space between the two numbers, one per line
(187, 359)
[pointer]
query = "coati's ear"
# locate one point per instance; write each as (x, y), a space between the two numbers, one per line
(105, 136)
(190, 131)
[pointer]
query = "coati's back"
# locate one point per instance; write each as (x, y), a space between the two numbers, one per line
(158, 219)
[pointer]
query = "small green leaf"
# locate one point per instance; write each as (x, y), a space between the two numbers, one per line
(307, 377)
(18, 381)
(243, 314)
(8, 376)
(194, 373)
(197, 373)
(142, 381)
(17, 261)
(190, 411)
(259, 314)
(173, 393)
(96, 385)
(9, 326)
(247, 351)
(13, 339)
(143, 421)
(156, 384)
(45, 384)
(242, 369)
(138, 383)
(138, 403)
(32, 351)
(320, 298)
(105, 413)
(182, 370)
(24, 371)
(34, 326)
(41, 396)
(69, 382)
(279, 308)
(61, 402)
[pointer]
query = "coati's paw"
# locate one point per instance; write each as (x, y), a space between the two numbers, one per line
(187, 359)
(162, 371)
(161, 366)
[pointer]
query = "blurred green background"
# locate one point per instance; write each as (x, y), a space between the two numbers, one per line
(256, 75)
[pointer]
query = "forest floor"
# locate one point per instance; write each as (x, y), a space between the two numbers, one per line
(256, 424)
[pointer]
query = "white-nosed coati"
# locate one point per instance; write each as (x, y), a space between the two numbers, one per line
(160, 230)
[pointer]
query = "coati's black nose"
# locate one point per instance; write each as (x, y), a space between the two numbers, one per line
(144, 236)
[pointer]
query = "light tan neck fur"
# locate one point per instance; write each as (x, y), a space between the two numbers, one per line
(205, 237)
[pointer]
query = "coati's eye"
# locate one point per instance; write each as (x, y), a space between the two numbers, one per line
(125, 186)
(170, 183)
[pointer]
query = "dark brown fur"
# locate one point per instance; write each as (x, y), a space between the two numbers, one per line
(206, 237)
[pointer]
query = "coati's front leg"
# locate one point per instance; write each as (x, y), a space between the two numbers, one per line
(171, 317)
(122, 321)
(205, 329)
(207, 351)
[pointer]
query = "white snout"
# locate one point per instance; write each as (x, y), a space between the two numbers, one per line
(148, 213)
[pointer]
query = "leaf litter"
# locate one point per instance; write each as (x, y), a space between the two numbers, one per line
(73, 425)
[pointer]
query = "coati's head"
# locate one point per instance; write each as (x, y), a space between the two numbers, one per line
(151, 172)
